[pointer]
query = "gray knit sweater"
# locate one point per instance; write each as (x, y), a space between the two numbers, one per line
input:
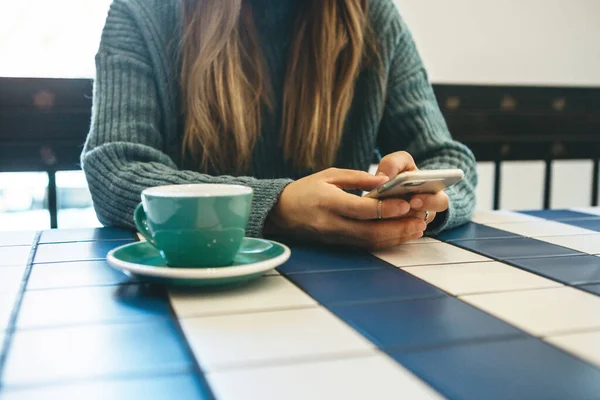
(135, 136)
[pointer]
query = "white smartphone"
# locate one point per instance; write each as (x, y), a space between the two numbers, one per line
(406, 184)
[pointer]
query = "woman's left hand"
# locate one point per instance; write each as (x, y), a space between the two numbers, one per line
(395, 163)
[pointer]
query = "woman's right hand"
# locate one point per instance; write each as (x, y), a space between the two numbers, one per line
(317, 208)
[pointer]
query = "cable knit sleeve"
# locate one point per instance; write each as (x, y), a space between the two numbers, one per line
(125, 149)
(412, 121)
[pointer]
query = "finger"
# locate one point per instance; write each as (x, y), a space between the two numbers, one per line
(415, 214)
(353, 180)
(430, 202)
(393, 208)
(431, 217)
(421, 214)
(373, 232)
(397, 241)
(353, 241)
(392, 164)
(364, 208)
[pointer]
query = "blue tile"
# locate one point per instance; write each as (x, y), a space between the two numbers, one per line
(595, 289)
(14, 255)
(514, 248)
(517, 369)
(591, 224)
(318, 258)
(473, 231)
(364, 286)
(85, 235)
(102, 304)
(423, 323)
(559, 215)
(572, 270)
(56, 356)
(17, 238)
(181, 387)
(82, 251)
(74, 274)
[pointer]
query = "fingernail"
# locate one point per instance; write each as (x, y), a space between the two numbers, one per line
(380, 174)
(416, 203)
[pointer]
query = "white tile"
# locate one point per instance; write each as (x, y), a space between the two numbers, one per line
(585, 345)
(17, 255)
(266, 293)
(543, 312)
(498, 217)
(253, 339)
(462, 279)
(132, 387)
(7, 302)
(522, 185)
(568, 177)
(17, 238)
(423, 240)
(484, 192)
(584, 243)
(427, 254)
(272, 272)
(542, 228)
(11, 278)
(371, 377)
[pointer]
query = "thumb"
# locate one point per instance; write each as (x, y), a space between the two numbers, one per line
(356, 180)
(392, 164)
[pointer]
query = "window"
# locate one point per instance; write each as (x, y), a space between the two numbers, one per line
(50, 39)
(24, 201)
(73, 201)
(23, 204)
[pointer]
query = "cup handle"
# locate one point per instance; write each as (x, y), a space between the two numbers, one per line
(141, 223)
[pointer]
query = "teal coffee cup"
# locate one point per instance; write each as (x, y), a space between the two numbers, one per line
(199, 225)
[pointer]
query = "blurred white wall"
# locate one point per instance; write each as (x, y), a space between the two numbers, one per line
(514, 42)
(547, 42)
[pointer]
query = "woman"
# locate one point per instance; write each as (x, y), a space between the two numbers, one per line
(271, 94)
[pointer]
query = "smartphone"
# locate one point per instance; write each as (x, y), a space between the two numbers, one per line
(406, 184)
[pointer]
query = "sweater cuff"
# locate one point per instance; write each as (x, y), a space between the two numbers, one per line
(266, 195)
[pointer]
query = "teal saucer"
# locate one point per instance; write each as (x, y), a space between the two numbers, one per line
(143, 261)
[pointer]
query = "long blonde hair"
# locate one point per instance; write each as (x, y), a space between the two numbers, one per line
(225, 89)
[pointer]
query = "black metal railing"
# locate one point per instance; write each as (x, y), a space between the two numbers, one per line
(44, 122)
(510, 123)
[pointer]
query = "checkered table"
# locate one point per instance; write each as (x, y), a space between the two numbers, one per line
(507, 307)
